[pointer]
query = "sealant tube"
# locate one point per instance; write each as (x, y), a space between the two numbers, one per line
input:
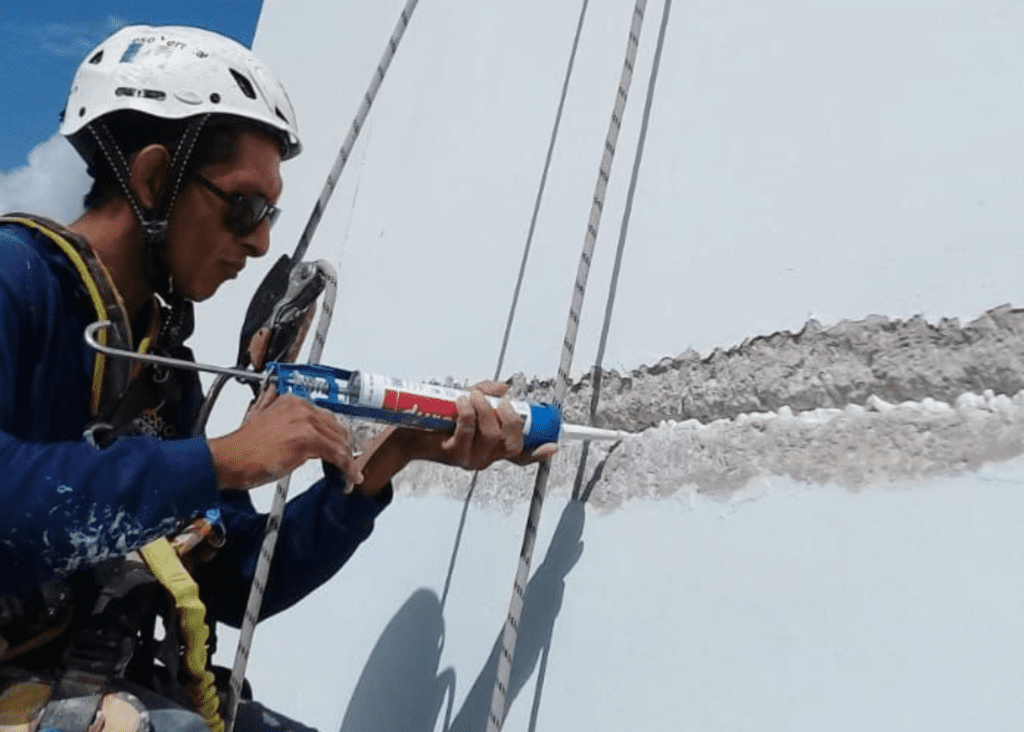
(398, 401)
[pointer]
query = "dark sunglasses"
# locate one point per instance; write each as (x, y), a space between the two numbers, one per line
(245, 212)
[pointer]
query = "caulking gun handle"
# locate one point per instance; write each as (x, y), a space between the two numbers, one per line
(283, 374)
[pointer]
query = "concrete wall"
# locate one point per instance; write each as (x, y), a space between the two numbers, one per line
(817, 527)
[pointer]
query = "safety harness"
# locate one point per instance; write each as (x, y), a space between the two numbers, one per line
(126, 398)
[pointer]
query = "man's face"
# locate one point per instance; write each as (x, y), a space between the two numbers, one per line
(201, 251)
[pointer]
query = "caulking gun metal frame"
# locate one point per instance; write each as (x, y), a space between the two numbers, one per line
(374, 397)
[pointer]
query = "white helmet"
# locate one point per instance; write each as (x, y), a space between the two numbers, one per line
(177, 72)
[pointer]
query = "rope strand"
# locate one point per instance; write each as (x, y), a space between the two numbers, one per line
(519, 280)
(540, 192)
(353, 134)
(499, 698)
(262, 573)
(624, 230)
(281, 494)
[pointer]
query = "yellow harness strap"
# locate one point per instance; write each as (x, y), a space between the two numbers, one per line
(166, 566)
(92, 287)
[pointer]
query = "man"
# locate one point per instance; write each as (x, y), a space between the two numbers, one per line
(184, 132)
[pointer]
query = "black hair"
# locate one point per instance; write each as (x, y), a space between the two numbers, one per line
(218, 142)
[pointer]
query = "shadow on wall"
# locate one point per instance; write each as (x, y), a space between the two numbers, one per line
(401, 687)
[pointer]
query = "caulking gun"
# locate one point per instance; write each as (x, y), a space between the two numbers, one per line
(373, 397)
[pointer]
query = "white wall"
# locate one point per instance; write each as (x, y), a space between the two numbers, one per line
(804, 160)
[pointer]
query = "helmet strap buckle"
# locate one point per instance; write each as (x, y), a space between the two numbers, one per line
(154, 231)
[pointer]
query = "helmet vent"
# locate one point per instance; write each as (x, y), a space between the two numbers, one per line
(244, 84)
(279, 113)
(97, 58)
(127, 91)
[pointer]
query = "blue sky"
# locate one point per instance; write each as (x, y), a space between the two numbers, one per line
(42, 42)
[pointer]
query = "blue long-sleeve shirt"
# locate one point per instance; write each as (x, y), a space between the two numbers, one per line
(67, 505)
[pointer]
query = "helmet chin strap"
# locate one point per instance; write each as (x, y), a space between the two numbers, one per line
(179, 325)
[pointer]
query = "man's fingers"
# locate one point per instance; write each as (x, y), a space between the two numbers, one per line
(543, 452)
(493, 388)
(511, 428)
(461, 440)
(326, 437)
(279, 435)
(263, 400)
(486, 418)
(337, 443)
(536, 455)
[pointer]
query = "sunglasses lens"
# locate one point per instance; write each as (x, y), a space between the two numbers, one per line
(247, 212)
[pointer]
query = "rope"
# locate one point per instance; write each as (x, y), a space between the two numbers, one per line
(624, 230)
(259, 581)
(357, 125)
(540, 193)
(281, 494)
(499, 699)
(519, 281)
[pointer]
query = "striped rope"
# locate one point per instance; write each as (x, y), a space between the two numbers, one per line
(281, 494)
(624, 230)
(519, 281)
(499, 699)
(540, 192)
(262, 573)
(353, 134)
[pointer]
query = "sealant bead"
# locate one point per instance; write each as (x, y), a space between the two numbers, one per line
(879, 404)
(1002, 403)
(931, 405)
(967, 400)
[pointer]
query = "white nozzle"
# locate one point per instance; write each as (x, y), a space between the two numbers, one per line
(582, 432)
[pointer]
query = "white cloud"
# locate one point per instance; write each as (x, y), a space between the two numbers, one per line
(52, 184)
(72, 40)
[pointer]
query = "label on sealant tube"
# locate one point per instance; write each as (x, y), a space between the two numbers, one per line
(433, 406)
(397, 401)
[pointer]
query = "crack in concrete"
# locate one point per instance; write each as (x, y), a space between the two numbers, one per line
(857, 404)
(847, 363)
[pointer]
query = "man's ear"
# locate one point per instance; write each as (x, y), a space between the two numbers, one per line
(149, 170)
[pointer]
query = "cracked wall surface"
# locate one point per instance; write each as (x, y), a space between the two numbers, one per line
(854, 404)
(819, 367)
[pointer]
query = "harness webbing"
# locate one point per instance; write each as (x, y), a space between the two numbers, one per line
(499, 699)
(165, 564)
(103, 295)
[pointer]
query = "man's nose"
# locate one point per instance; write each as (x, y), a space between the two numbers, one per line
(258, 242)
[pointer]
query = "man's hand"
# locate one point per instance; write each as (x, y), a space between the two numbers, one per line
(278, 435)
(483, 435)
